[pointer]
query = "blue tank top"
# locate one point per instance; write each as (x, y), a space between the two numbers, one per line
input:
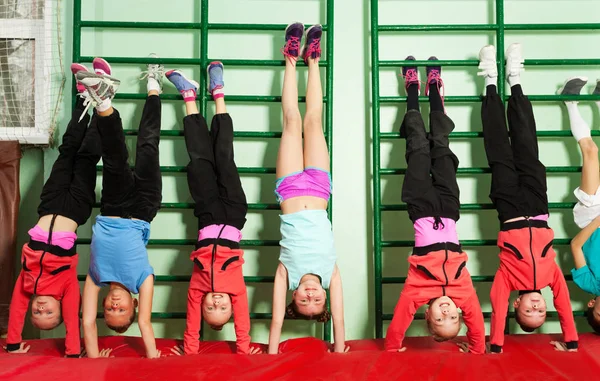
(588, 277)
(118, 252)
(307, 246)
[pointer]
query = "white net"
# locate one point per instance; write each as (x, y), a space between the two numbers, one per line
(31, 69)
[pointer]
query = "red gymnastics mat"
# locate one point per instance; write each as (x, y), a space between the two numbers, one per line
(527, 357)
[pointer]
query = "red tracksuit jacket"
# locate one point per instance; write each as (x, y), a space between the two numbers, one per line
(217, 269)
(50, 271)
(437, 272)
(527, 263)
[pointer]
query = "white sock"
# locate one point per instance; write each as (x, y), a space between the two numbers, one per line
(105, 105)
(579, 127)
(153, 85)
(514, 80)
(491, 81)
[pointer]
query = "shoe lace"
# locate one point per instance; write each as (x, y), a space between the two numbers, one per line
(314, 47)
(411, 77)
(292, 44)
(95, 97)
(153, 71)
(434, 75)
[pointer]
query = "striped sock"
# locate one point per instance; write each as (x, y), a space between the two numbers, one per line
(189, 95)
(218, 92)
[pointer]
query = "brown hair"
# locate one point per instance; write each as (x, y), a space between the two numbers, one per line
(591, 319)
(122, 328)
(522, 325)
(439, 338)
(291, 312)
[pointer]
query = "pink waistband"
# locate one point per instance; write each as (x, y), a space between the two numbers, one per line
(65, 240)
(212, 231)
(541, 217)
(426, 234)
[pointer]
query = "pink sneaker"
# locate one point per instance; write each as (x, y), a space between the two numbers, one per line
(76, 68)
(101, 67)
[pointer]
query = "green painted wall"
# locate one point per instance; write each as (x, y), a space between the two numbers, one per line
(352, 215)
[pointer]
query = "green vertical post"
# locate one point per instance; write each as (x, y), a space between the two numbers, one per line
(76, 43)
(376, 168)
(203, 55)
(500, 46)
(329, 117)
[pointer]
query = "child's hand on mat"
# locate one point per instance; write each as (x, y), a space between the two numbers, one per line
(403, 349)
(333, 349)
(155, 356)
(489, 350)
(82, 354)
(462, 346)
(561, 347)
(255, 351)
(22, 348)
(177, 350)
(106, 353)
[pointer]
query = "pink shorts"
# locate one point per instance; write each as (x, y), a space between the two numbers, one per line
(310, 182)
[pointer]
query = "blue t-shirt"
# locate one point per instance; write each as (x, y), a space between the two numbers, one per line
(118, 252)
(588, 277)
(307, 246)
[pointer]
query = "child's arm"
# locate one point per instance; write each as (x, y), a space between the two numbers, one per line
(19, 304)
(241, 320)
(193, 321)
(404, 313)
(145, 317)
(279, 294)
(499, 297)
(71, 302)
(562, 303)
(580, 239)
(473, 317)
(90, 310)
(337, 311)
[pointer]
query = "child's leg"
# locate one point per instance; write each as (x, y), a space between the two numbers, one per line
(289, 157)
(505, 181)
(60, 178)
(444, 162)
(316, 153)
(83, 185)
(531, 171)
(148, 180)
(228, 179)
(590, 172)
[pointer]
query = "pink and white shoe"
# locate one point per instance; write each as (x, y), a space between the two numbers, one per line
(101, 66)
(76, 68)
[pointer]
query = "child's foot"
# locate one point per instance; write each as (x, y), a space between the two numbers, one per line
(216, 85)
(434, 76)
(76, 68)
(514, 64)
(101, 66)
(487, 65)
(186, 87)
(293, 35)
(312, 43)
(100, 89)
(155, 74)
(572, 86)
(410, 74)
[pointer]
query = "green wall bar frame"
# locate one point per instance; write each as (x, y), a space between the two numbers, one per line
(498, 28)
(204, 27)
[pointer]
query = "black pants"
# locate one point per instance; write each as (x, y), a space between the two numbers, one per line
(213, 178)
(518, 177)
(70, 191)
(430, 188)
(131, 193)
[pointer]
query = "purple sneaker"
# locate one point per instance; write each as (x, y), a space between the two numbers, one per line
(293, 35)
(312, 42)
(410, 74)
(101, 67)
(434, 77)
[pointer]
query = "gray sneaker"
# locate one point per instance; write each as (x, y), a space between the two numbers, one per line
(156, 71)
(572, 86)
(99, 88)
(597, 88)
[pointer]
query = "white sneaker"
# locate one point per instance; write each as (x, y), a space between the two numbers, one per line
(487, 62)
(514, 60)
(154, 71)
(99, 88)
